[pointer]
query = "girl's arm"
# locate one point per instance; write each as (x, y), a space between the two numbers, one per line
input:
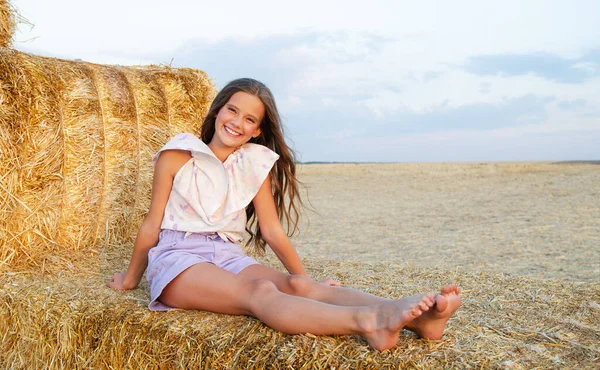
(272, 230)
(146, 239)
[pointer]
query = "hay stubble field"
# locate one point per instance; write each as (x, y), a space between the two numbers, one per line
(540, 220)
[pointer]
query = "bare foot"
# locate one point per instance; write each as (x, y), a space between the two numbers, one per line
(383, 323)
(431, 324)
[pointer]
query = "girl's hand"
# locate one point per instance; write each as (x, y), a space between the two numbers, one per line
(330, 282)
(118, 282)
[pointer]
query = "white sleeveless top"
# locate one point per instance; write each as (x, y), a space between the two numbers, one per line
(211, 196)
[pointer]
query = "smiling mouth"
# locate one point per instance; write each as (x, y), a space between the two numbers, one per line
(231, 132)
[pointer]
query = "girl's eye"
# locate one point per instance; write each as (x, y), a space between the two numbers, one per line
(231, 109)
(251, 120)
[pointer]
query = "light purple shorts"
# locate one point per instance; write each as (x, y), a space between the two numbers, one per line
(175, 252)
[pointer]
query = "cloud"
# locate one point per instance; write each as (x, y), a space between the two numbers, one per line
(281, 61)
(524, 128)
(572, 105)
(340, 102)
(546, 65)
(511, 112)
(509, 144)
(263, 58)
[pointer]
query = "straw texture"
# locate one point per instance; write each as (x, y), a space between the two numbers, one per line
(7, 23)
(73, 321)
(76, 160)
(10, 17)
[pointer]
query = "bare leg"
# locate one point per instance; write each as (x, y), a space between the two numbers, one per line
(305, 287)
(431, 324)
(207, 287)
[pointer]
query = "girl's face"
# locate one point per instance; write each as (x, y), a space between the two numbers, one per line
(238, 120)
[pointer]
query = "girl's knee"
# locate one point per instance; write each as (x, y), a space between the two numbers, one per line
(300, 285)
(256, 292)
(260, 287)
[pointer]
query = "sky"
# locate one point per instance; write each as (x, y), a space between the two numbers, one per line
(378, 81)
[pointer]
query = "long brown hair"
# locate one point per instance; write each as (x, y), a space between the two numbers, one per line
(283, 174)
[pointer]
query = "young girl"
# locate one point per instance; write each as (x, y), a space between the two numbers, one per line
(206, 189)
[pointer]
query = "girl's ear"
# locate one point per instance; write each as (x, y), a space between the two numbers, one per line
(256, 133)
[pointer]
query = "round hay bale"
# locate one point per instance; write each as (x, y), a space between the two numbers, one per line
(77, 141)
